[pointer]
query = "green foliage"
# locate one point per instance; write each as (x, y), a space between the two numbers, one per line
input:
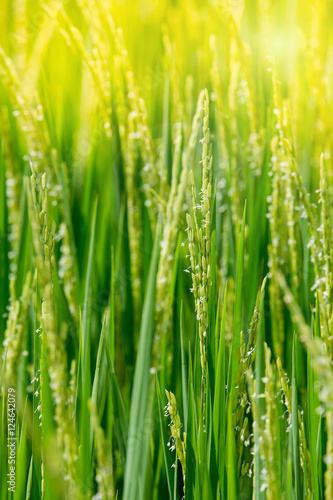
(166, 249)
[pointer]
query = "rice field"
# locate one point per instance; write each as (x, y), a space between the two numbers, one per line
(166, 249)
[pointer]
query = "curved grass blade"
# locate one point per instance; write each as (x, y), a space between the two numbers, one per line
(238, 313)
(231, 462)
(295, 430)
(85, 366)
(118, 406)
(219, 413)
(184, 382)
(259, 493)
(135, 440)
(167, 456)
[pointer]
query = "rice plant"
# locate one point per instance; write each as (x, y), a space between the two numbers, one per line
(166, 248)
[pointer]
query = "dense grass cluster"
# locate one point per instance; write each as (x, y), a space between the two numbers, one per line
(166, 218)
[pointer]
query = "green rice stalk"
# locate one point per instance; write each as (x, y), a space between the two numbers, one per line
(270, 431)
(104, 473)
(287, 392)
(172, 222)
(16, 328)
(328, 458)
(13, 193)
(154, 177)
(30, 118)
(199, 242)
(43, 237)
(134, 214)
(277, 247)
(241, 402)
(326, 241)
(179, 441)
